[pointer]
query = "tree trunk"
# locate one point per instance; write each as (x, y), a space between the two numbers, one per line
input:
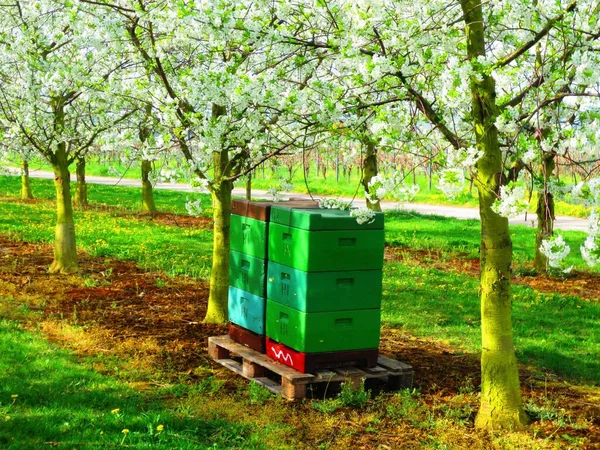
(369, 171)
(81, 197)
(545, 214)
(65, 250)
(221, 200)
(148, 204)
(26, 193)
(249, 187)
(501, 404)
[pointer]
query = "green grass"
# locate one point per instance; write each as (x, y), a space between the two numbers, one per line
(47, 396)
(553, 332)
(426, 232)
(111, 196)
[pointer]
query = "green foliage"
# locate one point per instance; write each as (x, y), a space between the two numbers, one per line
(258, 395)
(451, 237)
(349, 396)
(405, 403)
(354, 397)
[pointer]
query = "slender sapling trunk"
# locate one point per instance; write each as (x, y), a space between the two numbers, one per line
(81, 196)
(148, 204)
(26, 193)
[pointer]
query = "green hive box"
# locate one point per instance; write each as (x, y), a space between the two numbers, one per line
(323, 331)
(324, 291)
(325, 240)
(247, 273)
(248, 236)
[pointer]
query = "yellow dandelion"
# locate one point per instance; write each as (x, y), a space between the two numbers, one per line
(115, 411)
(14, 396)
(160, 428)
(125, 431)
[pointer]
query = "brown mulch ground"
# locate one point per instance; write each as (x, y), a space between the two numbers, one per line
(131, 304)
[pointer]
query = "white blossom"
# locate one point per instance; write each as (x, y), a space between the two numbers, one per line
(512, 201)
(556, 250)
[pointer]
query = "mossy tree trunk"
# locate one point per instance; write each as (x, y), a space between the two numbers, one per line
(65, 250)
(148, 204)
(81, 196)
(26, 193)
(370, 170)
(545, 213)
(249, 187)
(501, 403)
(221, 201)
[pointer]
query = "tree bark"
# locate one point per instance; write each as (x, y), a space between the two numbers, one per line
(545, 214)
(26, 193)
(501, 403)
(249, 187)
(221, 200)
(148, 204)
(81, 197)
(65, 250)
(369, 171)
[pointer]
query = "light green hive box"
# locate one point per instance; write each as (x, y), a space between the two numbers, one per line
(324, 291)
(324, 240)
(323, 331)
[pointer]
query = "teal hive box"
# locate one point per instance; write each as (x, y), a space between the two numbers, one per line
(324, 291)
(247, 273)
(247, 310)
(325, 240)
(248, 236)
(323, 331)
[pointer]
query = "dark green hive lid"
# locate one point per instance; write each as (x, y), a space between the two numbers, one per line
(322, 219)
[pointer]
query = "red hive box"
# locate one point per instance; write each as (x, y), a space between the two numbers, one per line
(309, 362)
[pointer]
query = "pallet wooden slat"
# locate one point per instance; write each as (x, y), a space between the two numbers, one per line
(392, 365)
(293, 385)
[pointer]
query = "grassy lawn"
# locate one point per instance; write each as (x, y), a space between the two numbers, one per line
(549, 328)
(48, 398)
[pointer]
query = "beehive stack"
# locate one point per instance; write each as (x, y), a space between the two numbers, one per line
(324, 289)
(248, 264)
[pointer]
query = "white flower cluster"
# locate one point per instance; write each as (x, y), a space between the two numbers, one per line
(451, 182)
(277, 191)
(363, 215)
(512, 201)
(334, 203)
(381, 186)
(587, 191)
(193, 208)
(590, 251)
(556, 250)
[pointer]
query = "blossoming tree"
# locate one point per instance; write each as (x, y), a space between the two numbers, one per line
(470, 68)
(225, 88)
(56, 94)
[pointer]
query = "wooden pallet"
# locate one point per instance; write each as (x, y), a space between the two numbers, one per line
(290, 383)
